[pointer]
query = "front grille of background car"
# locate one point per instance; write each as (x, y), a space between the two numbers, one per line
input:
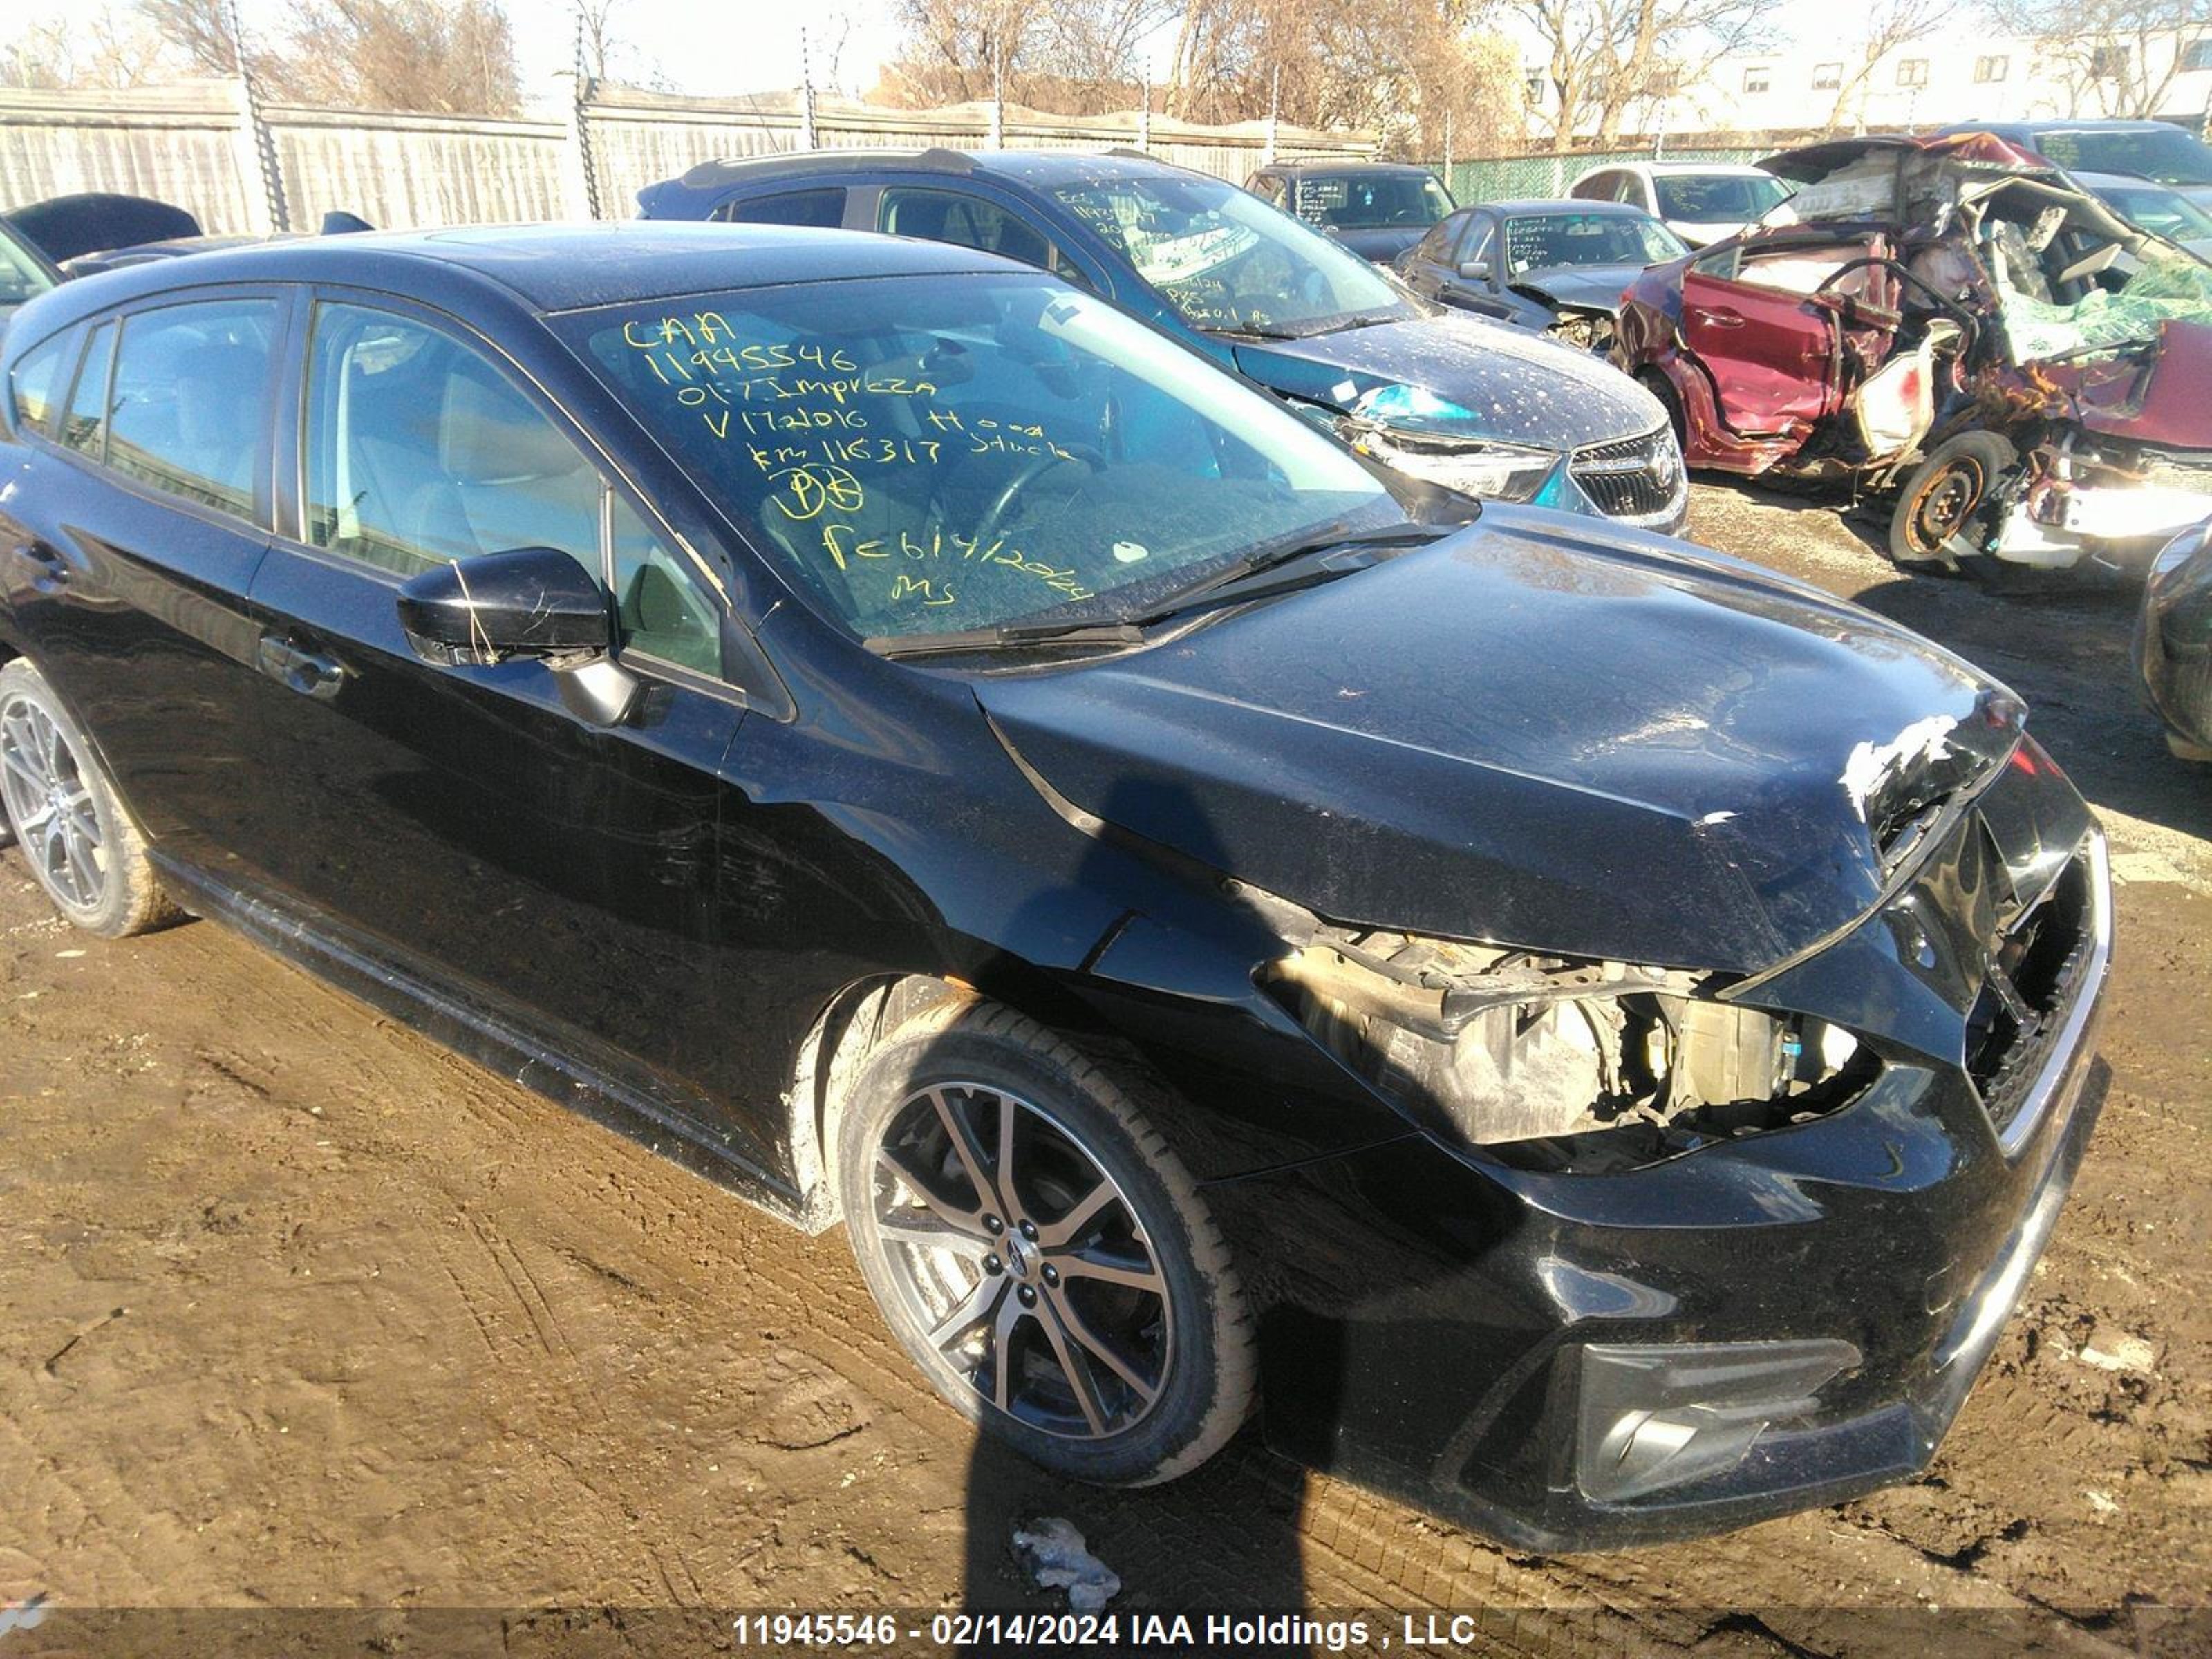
(2045, 953)
(1631, 477)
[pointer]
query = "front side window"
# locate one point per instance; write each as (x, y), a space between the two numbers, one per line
(22, 277)
(1546, 242)
(820, 210)
(965, 221)
(35, 382)
(419, 450)
(1226, 262)
(926, 455)
(190, 397)
(85, 427)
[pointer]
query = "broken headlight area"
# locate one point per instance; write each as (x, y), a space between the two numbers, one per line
(1553, 1065)
(2114, 503)
(1493, 472)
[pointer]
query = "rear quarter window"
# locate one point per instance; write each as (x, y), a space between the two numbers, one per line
(35, 384)
(819, 210)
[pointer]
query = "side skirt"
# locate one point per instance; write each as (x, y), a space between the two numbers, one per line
(480, 1034)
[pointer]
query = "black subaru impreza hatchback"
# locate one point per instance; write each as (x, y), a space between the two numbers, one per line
(1584, 1034)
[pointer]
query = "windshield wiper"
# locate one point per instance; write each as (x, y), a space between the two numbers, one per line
(1231, 585)
(1233, 581)
(1007, 637)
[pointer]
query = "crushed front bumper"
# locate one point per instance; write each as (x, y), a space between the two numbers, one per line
(1536, 1356)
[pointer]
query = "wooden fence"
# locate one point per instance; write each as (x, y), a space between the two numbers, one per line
(240, 167)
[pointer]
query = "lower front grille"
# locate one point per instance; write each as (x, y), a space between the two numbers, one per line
(2041, 967)
(1640, 479)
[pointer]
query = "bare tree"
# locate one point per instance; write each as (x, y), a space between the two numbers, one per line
(105, 50)
(1889, 24)
(1605, 57)
(1074, 56)
(455, 56)
(2112, 56)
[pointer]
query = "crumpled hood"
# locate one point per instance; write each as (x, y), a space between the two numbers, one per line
(2155, 399)
(1505, 383)
(1535, 732)
(1593, 288)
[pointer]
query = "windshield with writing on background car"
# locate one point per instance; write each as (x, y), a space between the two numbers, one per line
(1229, 263)
(1345, 201)
(1718, 199)
(1545, 241)
(2166, 154)
(934, 454)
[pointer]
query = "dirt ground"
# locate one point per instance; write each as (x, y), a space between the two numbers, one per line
(300, 1312)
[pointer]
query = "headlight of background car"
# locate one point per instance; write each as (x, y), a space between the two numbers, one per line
(1557, 1064)
(1495, 472)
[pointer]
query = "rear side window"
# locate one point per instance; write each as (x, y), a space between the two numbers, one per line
(85, 427)
(35, 384)
(947, 216)
(822, 210)
(420, 450)
(188, 410)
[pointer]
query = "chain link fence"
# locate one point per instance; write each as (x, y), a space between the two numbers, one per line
(1522, 178)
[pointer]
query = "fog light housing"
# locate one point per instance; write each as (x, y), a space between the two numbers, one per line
(1659, 1415)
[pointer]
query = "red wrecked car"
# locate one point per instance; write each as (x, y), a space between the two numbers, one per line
(1954, 319)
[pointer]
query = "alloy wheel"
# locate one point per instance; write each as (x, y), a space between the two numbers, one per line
(49, 802)
(1025, 1260)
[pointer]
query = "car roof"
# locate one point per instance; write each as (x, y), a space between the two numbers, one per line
(1041, 168)
(1347, 168)
(549, 267)
(1563, 205)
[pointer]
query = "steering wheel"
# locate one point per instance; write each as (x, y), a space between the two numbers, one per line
(986, 527)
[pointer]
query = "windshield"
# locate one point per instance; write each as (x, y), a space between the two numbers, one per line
(2046, 314)
(2166, 154)
(929, 454)
(1542, 241)
(1371, 201)
(1718, 199)
(1227, 262)
(2174, 217)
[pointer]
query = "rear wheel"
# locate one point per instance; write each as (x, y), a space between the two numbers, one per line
(81, 844)
(1670, 400)
(1039, 1249)
(1944, 497)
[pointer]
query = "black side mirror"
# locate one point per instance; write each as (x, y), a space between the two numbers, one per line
(534, 602)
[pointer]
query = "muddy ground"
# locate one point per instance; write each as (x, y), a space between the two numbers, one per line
(300, 1311)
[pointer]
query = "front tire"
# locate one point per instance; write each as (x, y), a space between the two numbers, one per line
(1942, 498)
(81, 844)
(1040, 1251)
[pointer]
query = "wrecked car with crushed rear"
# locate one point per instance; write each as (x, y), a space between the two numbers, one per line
(1574, 1031)
(1954, 319)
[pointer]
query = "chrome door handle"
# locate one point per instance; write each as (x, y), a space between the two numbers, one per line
(309, 673)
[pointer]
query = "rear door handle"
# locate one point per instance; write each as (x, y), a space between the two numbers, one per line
(309, 673)
(1718, 319)
(45, 569)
